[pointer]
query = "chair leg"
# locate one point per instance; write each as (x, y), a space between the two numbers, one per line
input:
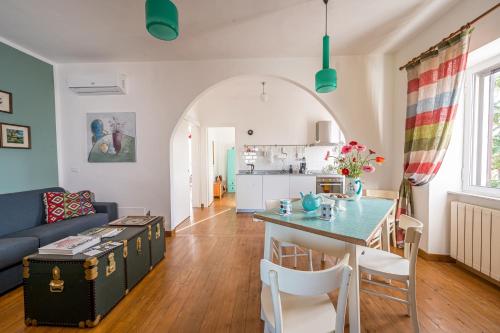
(412, 297)
(294, 257)
(323, 258)
(394, 236)
(310, 259)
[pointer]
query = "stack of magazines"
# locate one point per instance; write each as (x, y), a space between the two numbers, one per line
(70, 245)
(102, 232)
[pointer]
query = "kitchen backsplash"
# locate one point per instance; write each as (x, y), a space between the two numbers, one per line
(278, 158)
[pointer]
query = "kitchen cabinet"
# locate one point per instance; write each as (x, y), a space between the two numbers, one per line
(275, 187)
(304, 184)
(249, 193)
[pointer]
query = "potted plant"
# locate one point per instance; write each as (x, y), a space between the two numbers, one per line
(354, 160)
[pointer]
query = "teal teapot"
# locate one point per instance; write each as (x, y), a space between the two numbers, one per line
(310, 202)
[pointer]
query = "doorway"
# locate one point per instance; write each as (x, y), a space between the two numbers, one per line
(221, 164)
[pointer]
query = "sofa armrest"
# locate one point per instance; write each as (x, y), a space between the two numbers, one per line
(110, 208)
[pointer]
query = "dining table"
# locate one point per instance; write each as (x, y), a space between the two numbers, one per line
(355, 224)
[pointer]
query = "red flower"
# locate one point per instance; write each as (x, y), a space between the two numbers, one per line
(353, 143)
(360, 148)
(379, 159)
(368, 168)
(345, 172)
(346, 149)
(372, 151)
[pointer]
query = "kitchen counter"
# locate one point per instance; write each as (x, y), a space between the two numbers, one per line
(280, 173)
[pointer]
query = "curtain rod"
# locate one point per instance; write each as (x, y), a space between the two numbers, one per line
(453, 34)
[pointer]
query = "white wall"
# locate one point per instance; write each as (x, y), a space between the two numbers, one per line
(432, 201)
(160, 92)
(180, 183)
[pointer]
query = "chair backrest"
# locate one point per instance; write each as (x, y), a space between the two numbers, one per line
(306, 283)
(272, 204)
(412, 239)
(384, 194)
(406, 222)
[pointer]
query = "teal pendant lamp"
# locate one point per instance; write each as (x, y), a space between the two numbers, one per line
(326, 78)
(162, 19)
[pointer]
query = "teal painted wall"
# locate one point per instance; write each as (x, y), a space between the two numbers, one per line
(31, 83)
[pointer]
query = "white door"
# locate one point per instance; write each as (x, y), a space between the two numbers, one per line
(304, 184)
(275, 187)
(249, 192)
(180, 193)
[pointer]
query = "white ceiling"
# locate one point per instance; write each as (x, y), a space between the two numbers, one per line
(114, 30)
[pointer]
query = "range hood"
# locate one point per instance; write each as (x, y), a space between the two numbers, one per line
(324, 134)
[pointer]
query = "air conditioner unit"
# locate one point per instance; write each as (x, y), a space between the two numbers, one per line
(98, 84)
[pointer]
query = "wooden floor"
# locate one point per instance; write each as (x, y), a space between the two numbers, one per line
(209, 282)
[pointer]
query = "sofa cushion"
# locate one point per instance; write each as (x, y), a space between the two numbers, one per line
(62, 206)
(48, 233)
(22, 210)
(12, 250)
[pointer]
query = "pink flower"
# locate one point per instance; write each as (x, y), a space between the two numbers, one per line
(346, 149)
(368, 168)
(360, 148)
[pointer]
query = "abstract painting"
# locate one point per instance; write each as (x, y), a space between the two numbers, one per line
(111, 137)
(15, 136)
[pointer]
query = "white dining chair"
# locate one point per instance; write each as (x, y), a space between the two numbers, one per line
(279, 247)
(295, 301)
(391, 219)
(394, 267)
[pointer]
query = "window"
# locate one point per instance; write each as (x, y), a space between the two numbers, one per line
(482, 129)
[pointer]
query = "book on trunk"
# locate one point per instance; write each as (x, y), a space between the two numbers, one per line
(70, 245)
(102, 232)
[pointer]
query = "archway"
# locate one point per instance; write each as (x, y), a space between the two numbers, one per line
(291, 111)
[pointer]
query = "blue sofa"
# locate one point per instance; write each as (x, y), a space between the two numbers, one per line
(23, 229)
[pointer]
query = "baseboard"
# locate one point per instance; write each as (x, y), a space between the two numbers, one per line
(480, 274)
(169, 233)
(434, 256)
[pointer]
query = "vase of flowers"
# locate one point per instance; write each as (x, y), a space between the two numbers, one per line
(354, 160)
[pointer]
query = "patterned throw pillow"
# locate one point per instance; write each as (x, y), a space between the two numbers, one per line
(63, 205)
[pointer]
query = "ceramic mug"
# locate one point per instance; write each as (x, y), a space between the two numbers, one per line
(327, 211)
(285, 207)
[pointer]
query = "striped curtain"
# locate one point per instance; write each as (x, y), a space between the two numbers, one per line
(434, 86)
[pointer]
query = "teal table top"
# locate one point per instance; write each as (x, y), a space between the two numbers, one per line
(357, 223)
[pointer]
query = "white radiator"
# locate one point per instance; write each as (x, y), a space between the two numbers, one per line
(475, 237)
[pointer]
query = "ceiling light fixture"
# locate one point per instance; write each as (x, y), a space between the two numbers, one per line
(326, 78)
(263, 96)
(162, 19)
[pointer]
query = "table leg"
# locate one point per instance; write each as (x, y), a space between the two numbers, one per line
(267, 242)
(354, 317)
(385, 236)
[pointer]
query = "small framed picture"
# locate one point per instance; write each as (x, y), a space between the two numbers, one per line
(5, 102)
(15, 136)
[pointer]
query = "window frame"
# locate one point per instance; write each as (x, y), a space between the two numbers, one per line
(471, 105)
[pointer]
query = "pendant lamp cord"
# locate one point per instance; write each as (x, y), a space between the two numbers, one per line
(326, 16)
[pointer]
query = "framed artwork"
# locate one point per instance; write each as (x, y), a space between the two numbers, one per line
(111, 137)
(15, 136)
(5, 101)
